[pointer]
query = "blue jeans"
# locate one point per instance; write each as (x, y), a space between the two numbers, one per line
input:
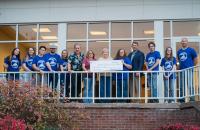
(169, 88)
(88, 90)
(122, 89)
(105, 88)
(152, 83)
(189, 82)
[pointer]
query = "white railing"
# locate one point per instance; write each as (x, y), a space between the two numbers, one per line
(115, 86)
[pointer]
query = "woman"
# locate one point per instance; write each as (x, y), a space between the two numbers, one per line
(12, 63)
(168, 63)
(88, 77)
(105, 78)
(121, 79)
(64, 77)
(27, 64)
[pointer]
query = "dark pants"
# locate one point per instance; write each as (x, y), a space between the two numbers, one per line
(12, 76)
(75, 85)
(64, 84)
(53, 80)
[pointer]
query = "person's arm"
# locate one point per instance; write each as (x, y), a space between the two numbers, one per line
(25, 67)
(156, 64)
(195, 61)
(35, 67)
(127, 63)
(49, 66)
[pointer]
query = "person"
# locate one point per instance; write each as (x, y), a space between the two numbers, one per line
(105, 78)
(152, 64)
(64, 77)
(121, 79)
(12, 63)
(53, 63)
(168, 63)
(39, 65)
(75, 64)
(137, 60)
(88, 77)
(27, 64)
(187, 57)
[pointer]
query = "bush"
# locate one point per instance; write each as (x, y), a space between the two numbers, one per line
(10, 123)
(179, 126)
(26, 104)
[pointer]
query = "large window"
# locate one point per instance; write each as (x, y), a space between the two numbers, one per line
(94, 36)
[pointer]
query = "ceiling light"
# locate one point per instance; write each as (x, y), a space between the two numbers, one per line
(148, 32)
(49, 37)
(97, 33)
(42, 29)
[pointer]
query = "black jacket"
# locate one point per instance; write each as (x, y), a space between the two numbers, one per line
(137, 61)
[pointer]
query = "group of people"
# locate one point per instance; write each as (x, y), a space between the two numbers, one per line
(54, 67)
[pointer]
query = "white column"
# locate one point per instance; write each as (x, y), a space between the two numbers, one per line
(158, 35)
(62, 35)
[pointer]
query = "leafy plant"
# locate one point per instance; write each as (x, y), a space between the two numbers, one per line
(27, 104)
(179, 126)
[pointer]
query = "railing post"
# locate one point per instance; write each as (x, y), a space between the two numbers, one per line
(186, 86)
(93, 87)
(42, 84)
(146, 90)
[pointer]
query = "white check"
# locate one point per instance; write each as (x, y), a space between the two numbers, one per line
(106, 65)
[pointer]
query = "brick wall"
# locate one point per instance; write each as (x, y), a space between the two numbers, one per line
(132, 116)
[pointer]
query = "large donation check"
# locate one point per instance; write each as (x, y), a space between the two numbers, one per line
(106, 65)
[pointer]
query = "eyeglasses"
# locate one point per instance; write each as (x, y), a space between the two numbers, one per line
(151, 46)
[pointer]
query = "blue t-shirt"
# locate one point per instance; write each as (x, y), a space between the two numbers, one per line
(64, 63)
(40, 62)
(125, 75)
(54, 61)
(29, 62)
(151, 58)
(186, 57)
(168, 65)
(13, 65)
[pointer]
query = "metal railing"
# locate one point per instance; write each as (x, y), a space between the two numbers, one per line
(115, 86)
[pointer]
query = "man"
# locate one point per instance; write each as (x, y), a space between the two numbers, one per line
(53, 63)
(187, 57)
(137, 61)
(75, 64)
(152, 64)
(39, 64)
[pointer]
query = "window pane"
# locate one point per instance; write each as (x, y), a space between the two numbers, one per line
(116, 45)
(166, 29)
(167, 43)
(143, 30)
(121, 30)
(48, 32)
(70, 47)
(97, 47)
(98, 30)
(47, 45)
(187, 28)
(76, 31)
(143, 46)
(5, 49)
(7, 33)
(27, 32)
(194, 45)
(24, 48)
